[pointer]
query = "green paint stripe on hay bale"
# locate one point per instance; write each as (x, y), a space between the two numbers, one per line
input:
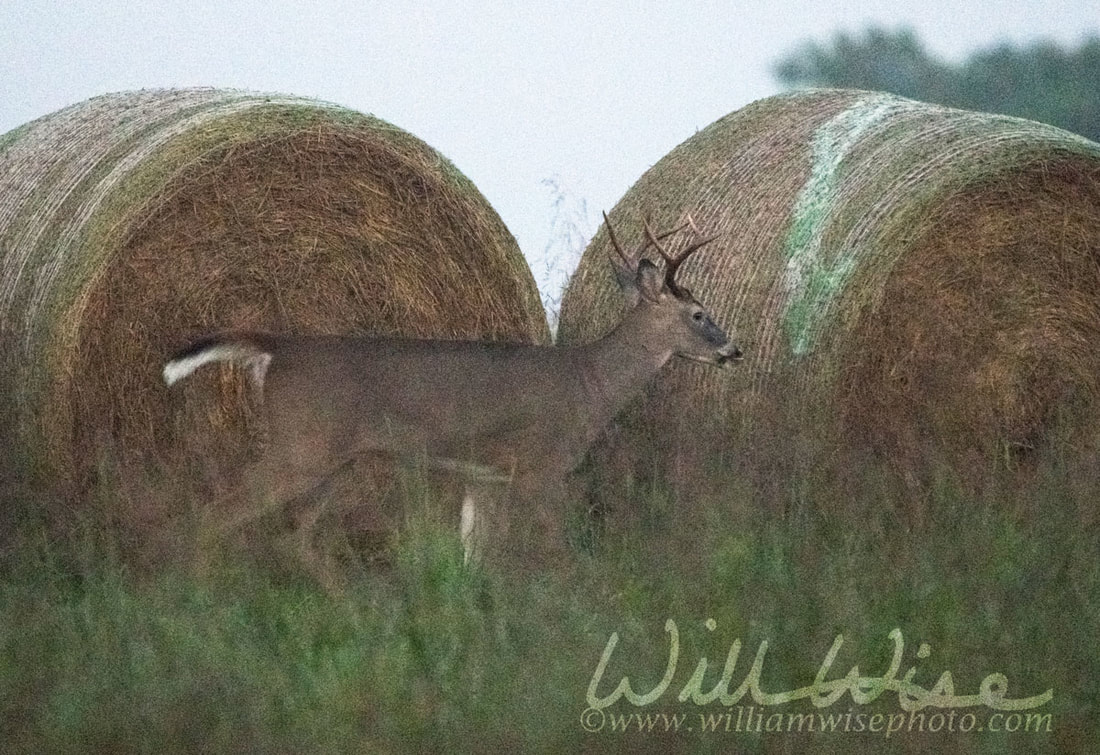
(812, 283)
(986, 142)
(132, 222)
(897, 270)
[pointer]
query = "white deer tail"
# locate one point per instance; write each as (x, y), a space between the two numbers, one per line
(252, 352)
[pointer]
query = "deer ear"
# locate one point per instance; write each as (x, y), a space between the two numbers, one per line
(649, 281)
(626, 278)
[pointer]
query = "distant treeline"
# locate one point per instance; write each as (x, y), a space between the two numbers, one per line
(1043, 81)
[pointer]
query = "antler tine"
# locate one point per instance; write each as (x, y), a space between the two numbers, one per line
(672, 264)
(615, 243)
(700, 241)
(656, 238)
(631, 260)
(691, 224)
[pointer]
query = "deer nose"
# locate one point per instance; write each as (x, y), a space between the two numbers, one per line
(730, 354)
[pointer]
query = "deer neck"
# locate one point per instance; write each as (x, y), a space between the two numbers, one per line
(618, 366)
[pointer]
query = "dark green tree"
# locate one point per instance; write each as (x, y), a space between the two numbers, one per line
(1042, 81)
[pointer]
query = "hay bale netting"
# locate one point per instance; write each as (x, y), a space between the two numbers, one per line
(907, 279)
(134, 222)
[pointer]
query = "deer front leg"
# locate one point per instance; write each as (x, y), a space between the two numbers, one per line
(470, 527)
(480, 525)
(536, 516)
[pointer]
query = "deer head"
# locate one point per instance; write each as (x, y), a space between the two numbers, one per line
(675, 321)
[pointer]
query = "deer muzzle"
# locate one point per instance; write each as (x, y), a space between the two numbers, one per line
(729, 353)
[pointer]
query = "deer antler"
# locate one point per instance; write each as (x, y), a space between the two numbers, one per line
(627, 262)
(672, 264)
(630, 260)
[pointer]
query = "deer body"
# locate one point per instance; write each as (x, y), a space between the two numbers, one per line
(524, 415)
(509, 408)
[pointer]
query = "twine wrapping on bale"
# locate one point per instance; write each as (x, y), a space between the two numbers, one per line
(134, 222)
(917, 281)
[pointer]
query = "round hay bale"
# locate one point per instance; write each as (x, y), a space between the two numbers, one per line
(134, 222)
(907, 279)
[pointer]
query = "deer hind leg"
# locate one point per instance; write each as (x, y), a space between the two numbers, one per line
(266, 487)
(317, 562)
(273, 487)
(307, 511)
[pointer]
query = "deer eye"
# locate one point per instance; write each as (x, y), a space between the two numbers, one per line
(698, 317)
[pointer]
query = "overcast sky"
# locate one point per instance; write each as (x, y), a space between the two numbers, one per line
(590, 92)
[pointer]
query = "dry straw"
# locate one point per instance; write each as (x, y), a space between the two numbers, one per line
(909, 280)
(134, 222)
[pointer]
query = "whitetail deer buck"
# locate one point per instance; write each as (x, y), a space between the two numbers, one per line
(490, 412)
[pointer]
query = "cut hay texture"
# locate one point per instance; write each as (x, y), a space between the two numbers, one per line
(909, 281)
(132, 223)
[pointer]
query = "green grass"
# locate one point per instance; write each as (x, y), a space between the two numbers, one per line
(429, 655)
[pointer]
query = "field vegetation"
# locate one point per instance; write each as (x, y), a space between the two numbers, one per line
(422, 653)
